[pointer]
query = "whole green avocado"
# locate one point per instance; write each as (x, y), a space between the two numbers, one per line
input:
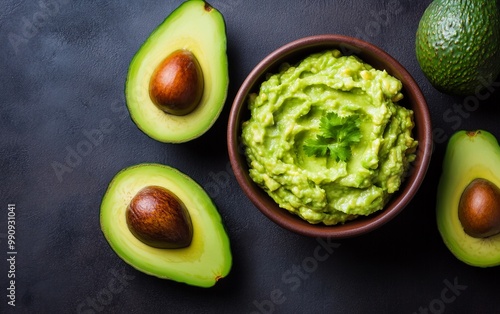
(458, 45)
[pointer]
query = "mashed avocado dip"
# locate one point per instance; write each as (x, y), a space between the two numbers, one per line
(327, 139)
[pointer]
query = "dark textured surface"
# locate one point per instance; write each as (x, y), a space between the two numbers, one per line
(63, 79)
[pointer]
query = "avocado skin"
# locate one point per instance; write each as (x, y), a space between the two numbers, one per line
(469, 155)
(458, 45)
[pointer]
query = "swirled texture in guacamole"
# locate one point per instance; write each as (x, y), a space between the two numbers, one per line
(287, 112)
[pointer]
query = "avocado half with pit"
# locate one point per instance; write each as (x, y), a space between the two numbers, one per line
(177, 81)
(161, 222)
(468, 198)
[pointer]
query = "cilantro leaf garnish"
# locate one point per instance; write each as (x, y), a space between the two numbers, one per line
(338, 135)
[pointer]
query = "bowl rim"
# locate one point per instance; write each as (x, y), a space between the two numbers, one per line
(360, 225)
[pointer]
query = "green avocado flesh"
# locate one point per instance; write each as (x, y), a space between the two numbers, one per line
(458, 45)
(206, 260)
(199, 28)
(469, 155)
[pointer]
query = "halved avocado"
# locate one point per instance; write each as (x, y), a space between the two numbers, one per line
(198, 28)
(202, 263)
(470, 156)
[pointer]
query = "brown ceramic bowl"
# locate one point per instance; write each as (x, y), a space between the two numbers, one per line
(292, 53)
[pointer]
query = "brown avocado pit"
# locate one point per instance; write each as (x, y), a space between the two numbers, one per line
(176, 86)
(479, 209)
(158, 218)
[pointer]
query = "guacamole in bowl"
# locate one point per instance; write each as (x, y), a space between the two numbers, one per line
(327, 139)
(319, 143)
